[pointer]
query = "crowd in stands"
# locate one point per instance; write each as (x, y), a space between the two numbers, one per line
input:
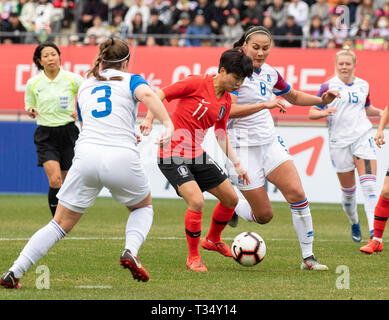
(360, 24)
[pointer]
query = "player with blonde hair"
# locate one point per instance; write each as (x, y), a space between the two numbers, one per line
(351, 141)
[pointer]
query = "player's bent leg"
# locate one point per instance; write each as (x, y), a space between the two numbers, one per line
(221, 215)
(256, 206)
(39, 244)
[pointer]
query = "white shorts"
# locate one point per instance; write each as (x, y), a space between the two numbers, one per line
(342, 158)
(96, 166)
(258, 161)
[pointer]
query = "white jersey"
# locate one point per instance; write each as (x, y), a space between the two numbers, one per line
(258, 128)
(108, 110)
(350, 121)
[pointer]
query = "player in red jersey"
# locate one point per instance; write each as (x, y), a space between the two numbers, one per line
(204, 101)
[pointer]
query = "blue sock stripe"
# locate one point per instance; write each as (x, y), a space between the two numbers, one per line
(55, 224)
(349, 190)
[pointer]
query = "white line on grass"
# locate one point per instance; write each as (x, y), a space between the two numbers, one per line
(93, 287)
(166, 238)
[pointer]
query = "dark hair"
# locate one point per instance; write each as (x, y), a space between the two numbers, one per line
(249, 32)
(38, 52)
(235, 61)
(112, 52)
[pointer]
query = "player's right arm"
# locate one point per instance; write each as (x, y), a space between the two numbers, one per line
(238, 110)
(30, 101)
(147, 124)
(154, 104)
(379, 138)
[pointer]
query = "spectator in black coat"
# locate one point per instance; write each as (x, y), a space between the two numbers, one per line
(290, 29)
(91, 9)
(156, 27)
(13, 25)
(119, 9)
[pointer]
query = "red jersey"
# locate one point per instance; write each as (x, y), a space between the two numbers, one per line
(197, 110)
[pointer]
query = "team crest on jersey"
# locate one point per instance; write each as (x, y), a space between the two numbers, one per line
(183, 171)
(251, 78)
(268, 78)
(222, 112)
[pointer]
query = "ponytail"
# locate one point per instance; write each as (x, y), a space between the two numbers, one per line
(111, 55)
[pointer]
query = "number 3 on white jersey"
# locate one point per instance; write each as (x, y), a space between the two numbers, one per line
(108, 104)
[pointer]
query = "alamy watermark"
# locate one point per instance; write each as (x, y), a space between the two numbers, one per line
(343, 281)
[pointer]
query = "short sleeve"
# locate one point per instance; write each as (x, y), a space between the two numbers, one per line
(367, 103)
(323, 88)
(281, 87)
(78, 80)
(29, 96)
(135, 81)
(181, 88)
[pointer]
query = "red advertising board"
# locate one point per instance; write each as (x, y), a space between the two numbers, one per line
(304, 69)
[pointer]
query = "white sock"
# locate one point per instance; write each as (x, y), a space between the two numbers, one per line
(138, 226)
(368, 186)
(37, 247)
(244, 211)
(302, 222)
(349, 203)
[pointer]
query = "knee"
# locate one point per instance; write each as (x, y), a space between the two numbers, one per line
(264, 216)
(295, 195)
(196, 204)
(231, 202)
(55, 181)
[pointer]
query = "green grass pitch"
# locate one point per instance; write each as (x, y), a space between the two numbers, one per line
(85, 265)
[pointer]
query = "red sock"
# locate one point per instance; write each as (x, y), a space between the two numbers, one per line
(381, 215)
(193, 231)
(220, 217)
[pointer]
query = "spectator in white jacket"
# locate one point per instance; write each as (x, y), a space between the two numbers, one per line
(138, 7)
(300, 11)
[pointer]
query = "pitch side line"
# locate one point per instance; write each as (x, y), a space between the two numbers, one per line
(167, 238)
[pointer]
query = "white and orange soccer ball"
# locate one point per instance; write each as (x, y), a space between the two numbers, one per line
(248, 248)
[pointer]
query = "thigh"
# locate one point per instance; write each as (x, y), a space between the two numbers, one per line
(364, 155)
(385, 188)
(259, 202)
(176, 172)
(365, 166)
(251, 159)
(342, 159)
(346, 179)
(82, 183)
(225, 193)
(122, 173)
(46, 146)
(274, 155)
(207, 173)
(69, 137)
(192, 194)
(286, 178)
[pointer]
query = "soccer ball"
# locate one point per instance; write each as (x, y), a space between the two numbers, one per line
(248, 249)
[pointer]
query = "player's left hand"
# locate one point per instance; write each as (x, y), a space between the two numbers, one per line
(242, 174)
(329, 96)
